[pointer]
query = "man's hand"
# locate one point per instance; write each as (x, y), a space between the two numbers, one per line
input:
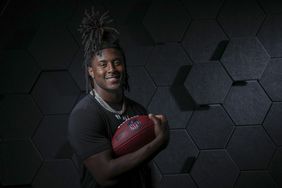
(161, 128)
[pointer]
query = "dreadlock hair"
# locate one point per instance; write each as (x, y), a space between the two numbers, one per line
(97, 34)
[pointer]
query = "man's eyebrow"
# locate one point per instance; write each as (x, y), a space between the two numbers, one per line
(102, 61)
(114, 59)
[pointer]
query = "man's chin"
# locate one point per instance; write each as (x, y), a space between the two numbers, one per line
(114, 87)
(114, 83)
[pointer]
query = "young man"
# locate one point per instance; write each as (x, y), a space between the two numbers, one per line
(94, 119)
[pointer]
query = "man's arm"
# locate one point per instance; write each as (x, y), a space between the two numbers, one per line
(106, 169)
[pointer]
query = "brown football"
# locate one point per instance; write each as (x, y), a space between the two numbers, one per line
(132, 134)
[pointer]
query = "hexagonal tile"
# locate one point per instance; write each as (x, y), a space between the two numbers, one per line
(257, 179)
(57, 146)
(18, 71)
(162, 26)
(208, 83)
(136, 43)
(202, 40)
(270, 35)
(241, 18)
(272, 78)
(250, 147)
(182, 181)
(58, 12)
(142, 88)
(272, 123)
(127, 11)
(247, 104)
(210, 128)
(164, 63)
(245, 58)
(53, 47)
(57, 174)
(19, 116)
(17, 31)
(203, 9)
(214, 168)
(276, 167)
(179, 155)
(55, 92)
(77, 70)
(163, 102)
(20, 161)
(271, 6)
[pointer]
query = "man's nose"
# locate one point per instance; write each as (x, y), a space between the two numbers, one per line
(111, 66)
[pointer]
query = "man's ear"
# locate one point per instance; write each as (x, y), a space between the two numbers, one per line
(91, 72)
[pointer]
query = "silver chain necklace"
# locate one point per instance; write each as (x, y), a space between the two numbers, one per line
(105, 105)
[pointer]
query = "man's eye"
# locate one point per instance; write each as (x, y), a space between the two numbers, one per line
(117, 62)
(103, 64)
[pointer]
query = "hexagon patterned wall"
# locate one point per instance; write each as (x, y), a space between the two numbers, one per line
(214, 68)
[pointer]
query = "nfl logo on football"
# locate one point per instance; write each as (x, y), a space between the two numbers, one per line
(134, 124)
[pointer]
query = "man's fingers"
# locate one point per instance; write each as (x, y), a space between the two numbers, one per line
(154, 119)
(162, 118)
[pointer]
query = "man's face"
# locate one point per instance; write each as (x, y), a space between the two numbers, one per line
(108, 70)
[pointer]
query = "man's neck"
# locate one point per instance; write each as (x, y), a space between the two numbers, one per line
(110, 96)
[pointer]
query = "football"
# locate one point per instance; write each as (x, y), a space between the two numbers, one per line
(132, 134)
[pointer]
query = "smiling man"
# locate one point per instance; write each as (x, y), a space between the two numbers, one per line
(95, 118)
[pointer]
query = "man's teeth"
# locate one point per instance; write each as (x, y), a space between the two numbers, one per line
(113, 77)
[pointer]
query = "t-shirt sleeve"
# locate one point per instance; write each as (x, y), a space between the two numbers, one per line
(141, 109)
(138, 108)
(87, 133)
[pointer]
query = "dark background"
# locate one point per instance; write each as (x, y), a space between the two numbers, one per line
(213, 67)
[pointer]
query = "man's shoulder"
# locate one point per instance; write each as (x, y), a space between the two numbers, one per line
(85, 107)
(132, 102)
(85, 104)
(85, 113)
(135, 105)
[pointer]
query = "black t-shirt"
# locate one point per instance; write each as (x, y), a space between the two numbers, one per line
(90, 131)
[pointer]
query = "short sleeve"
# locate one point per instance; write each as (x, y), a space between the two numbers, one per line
(87, 133)
(137, 108)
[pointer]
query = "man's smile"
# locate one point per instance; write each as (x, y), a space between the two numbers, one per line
(113, 78)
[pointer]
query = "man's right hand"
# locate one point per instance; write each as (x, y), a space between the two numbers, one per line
(161, 128)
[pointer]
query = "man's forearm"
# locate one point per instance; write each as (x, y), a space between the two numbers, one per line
(129, 161)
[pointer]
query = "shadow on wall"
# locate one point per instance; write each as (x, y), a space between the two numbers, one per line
(187, 166)
(181, 95)
(178, 90)
(219, 50)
